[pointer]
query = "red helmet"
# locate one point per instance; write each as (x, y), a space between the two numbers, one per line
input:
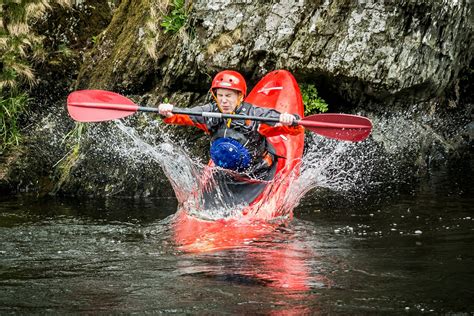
(229, 79)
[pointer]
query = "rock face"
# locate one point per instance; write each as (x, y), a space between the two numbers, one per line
(403, 52)
(406, 64)
(406, 51)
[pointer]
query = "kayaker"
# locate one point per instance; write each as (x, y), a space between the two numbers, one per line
(238, 145)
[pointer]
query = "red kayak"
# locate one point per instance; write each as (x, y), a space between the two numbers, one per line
(280, 91)
(260, 205)
(272, 205)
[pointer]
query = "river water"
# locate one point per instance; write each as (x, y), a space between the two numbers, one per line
(408, 253)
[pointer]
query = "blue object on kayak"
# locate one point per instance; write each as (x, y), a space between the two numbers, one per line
(230, 154)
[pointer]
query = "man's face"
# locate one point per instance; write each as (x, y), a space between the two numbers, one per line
(228, 99)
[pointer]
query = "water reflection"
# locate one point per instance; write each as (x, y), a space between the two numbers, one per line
(253, 270)
(255, 255)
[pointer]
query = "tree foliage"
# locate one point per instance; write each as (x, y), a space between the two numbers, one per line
(312, 102)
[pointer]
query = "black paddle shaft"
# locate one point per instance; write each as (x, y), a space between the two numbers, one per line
(212, 114)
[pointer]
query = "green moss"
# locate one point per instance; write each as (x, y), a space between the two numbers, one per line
(312, 102)
(118, 57)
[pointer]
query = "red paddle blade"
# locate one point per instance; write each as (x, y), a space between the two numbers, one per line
(98, 105)
(353, 128)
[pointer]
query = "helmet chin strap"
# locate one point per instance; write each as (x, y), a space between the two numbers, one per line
(215, 99)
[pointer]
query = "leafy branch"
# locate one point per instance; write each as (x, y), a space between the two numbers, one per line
(312, 102)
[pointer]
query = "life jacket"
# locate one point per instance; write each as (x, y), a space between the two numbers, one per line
(229, 136)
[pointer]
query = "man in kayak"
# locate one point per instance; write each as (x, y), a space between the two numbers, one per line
(238, 145)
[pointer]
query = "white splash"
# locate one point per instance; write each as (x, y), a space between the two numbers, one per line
(327, 163)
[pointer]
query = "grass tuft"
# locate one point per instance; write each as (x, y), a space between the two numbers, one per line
(11, 108)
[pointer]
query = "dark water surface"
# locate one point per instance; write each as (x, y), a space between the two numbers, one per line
(409, 254)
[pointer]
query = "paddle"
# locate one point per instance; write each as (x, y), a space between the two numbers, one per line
(100, 105)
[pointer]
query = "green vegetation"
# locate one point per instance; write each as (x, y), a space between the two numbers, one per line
(73, 141)
(20, 49)
(176, 18)
(312, 102)
(11, 108)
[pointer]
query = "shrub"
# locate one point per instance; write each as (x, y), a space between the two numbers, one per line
(312, 102)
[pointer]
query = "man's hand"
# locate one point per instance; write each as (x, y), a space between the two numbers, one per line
(287, 119)
(165, 109)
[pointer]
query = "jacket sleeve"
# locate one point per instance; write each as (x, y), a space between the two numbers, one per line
(268, 129)
(189, 120)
